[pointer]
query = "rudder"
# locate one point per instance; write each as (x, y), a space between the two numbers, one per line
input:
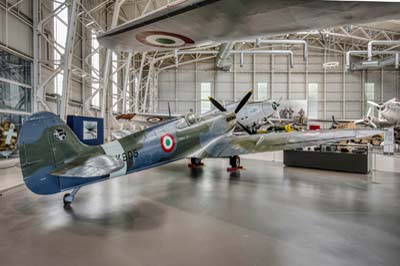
(44, 143)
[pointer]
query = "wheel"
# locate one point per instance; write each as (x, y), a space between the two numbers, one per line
(234, 161)
(67, 203)
(195, 161)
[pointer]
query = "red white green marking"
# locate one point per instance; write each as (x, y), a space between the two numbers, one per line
(167, 142)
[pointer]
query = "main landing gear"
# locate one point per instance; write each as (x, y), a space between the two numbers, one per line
(195, 163)
(234, 161)
(69, 197)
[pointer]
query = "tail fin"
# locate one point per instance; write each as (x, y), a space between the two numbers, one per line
(44, 143)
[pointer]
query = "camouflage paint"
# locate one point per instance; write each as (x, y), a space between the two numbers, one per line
(42, 152)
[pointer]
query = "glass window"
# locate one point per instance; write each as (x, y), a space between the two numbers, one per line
(369, 96)
(60, 37)
(14, 97)
(205, 88)
(262, 91)
(14, 68)
(313, 100)
(95, 70)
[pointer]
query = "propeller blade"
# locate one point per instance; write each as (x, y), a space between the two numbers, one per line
(390, 101)
(372, 124)
(245, 128)
(270, 122)
(278, 115)
(243, 101)
(373, 103)
(217, 104)
(369, 112)
(359, 121)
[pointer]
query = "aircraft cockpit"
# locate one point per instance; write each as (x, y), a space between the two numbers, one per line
(189, 120)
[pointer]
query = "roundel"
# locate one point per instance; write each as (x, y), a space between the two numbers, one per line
(167, 142)
(59, 134)
(163, 39)
(154, 119)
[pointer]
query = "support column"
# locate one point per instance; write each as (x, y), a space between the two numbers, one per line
(139, 82)
(126, 81)
(68, 56)
(106, 71)
(344, 86)
(36, 55)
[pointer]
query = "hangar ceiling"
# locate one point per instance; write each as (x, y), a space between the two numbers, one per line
(139, 71)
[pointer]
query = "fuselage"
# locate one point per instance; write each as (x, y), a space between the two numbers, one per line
(167, 142)
(391, 113)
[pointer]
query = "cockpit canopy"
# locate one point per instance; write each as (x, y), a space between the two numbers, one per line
(189, 119)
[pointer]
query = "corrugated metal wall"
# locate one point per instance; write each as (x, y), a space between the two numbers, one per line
(340, 92)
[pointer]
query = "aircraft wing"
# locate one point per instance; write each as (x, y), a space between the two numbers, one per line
(146, 119)
(231, 145)
(100, 165)
(186, 23)
(330, 120)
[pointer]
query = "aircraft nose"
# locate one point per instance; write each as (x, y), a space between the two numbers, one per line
(231, 120)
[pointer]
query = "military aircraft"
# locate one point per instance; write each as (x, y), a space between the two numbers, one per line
(186, 23)
(388, 114)
(251, 117)
(53, 159)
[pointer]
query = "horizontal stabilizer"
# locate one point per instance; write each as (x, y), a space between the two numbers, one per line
(101, 165)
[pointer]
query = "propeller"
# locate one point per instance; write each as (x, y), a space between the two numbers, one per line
(237, 110)
(381, 107)
(244, 101)
(367, 120)
(245, 128)
(275, 104)
(217, 104)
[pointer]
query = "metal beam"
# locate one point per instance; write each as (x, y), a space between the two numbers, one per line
(67, 60)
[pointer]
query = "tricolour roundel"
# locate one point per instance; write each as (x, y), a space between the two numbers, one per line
(163, 39)
(167, 142)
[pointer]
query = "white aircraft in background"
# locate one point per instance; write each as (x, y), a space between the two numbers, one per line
(388, 115)
(250, 118)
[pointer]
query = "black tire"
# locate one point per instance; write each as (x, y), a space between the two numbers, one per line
(234, 161)
(66, 203)
(195, 161)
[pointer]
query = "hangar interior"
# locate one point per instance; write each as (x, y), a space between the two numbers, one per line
(51, 60)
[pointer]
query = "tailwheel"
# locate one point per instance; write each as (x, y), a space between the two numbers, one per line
(67, 200)
(195, 162)
(234, 161)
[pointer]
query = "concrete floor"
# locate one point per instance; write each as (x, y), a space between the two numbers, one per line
(171, 215)
(10, 174)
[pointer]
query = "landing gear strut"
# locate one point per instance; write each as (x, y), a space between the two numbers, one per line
(195, 162)
(234, 161)
(69, 197)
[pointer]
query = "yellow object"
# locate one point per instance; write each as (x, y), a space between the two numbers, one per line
(288, 128)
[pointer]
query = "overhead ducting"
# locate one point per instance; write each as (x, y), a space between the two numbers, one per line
(394, 60)
(241, 52)
(372, 43)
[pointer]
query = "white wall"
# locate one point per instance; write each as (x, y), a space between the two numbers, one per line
(340, 93)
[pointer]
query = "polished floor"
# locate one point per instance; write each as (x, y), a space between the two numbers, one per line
(172, 216)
